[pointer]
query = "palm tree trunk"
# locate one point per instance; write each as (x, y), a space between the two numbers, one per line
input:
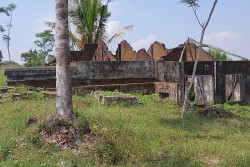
(63, 75)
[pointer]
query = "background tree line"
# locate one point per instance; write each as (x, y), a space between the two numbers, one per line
(5, 30)
(45, 43)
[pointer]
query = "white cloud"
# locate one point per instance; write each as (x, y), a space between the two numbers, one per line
(112, 27)
(41, 22)
(221, 36)
(145, 42)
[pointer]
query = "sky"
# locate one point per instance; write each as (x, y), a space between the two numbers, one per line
(166, 21)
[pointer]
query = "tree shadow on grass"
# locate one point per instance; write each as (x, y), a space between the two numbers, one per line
(202, 127)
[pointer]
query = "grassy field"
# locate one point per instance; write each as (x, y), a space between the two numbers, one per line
(152, 134)
(2, 68)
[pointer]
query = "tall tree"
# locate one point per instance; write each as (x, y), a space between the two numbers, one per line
(194, 4)
(45, 42)
(64, 104)
(6, 37)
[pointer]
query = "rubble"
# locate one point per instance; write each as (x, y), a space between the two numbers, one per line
(214, 112)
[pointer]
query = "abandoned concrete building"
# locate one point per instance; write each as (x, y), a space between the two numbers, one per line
(157, 70)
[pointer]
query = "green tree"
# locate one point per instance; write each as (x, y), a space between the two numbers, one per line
(45, 42)
(218, 56)
(32, 58)
(6, 37)
(89, 18)
(1, 56)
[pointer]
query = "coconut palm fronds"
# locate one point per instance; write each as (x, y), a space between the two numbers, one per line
(119, 34)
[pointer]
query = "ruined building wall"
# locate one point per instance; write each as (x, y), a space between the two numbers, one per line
(189, 55)
(157, 50)
(125, 52)
(214, 81)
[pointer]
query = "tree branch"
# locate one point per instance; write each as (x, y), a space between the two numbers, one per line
(194, 9)
(210, 15)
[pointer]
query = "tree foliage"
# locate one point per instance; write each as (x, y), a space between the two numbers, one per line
(191, 3)
(32, 58)
(45, 43)
(6, 37)
(90, 17)
(218, 56)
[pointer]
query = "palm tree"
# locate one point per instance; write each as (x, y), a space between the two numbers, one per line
(63, 76)
(89, 19)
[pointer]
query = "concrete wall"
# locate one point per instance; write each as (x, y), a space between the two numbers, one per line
(168, 71)
(216, 77)
(114, 70)
(87, 73)
(229, 68)
(204, 90)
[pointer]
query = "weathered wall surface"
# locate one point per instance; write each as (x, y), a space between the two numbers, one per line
(142, 55)
(168, 71)
(146, 88)
(157, 50)
(192, 51)
(102, 53)
(171, 90)
(86, 73)
(189, 55)
(217, 78)
(225, 68)
(114, 70)
(203, 68)
(125, 52)
(204, 90)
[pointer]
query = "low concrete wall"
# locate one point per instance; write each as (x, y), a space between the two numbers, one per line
(86, 73)
(145, 88)
(114, 70)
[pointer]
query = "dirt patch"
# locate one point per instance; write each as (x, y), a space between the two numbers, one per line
(63, 132)
(212, 160)
(32, 120)
(61, 135)
(214, 112)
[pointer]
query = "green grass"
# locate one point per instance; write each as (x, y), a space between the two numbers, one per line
(3, 66)
(152, 134)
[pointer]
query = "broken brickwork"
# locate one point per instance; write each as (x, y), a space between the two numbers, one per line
(157, 50)
(190, 54)
(142, 55)
(125, 52)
